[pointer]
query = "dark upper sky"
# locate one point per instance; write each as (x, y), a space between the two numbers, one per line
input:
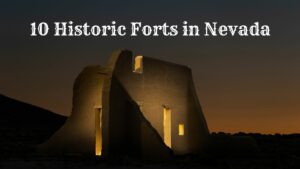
(244, 84)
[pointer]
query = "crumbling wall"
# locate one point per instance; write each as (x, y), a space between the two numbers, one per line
(77, 136)
(165, 84)
(132, 110)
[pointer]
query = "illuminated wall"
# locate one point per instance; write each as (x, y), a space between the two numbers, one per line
(133, 106)
(164, 84)
(77, 135)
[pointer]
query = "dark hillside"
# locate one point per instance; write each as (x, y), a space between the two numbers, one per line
(23, 126)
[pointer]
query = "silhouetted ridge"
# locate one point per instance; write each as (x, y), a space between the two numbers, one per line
(23, 126)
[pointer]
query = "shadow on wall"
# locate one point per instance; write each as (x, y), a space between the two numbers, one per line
(134, 106)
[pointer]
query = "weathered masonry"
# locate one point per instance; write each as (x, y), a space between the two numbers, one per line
(134, 105)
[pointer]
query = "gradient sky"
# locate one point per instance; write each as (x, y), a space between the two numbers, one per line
(244, 84)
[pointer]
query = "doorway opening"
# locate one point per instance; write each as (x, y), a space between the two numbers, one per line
(98, 130)
(167, 126)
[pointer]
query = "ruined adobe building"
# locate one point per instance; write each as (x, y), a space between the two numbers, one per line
(135, 105)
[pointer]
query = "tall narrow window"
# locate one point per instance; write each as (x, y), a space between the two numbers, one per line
(138, 64)
(98, 130)
(181, 129)
(167, 126)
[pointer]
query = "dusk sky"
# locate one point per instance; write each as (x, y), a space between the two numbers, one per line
(249, 84)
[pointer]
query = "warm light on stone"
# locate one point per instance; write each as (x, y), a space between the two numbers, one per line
(117, 112)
